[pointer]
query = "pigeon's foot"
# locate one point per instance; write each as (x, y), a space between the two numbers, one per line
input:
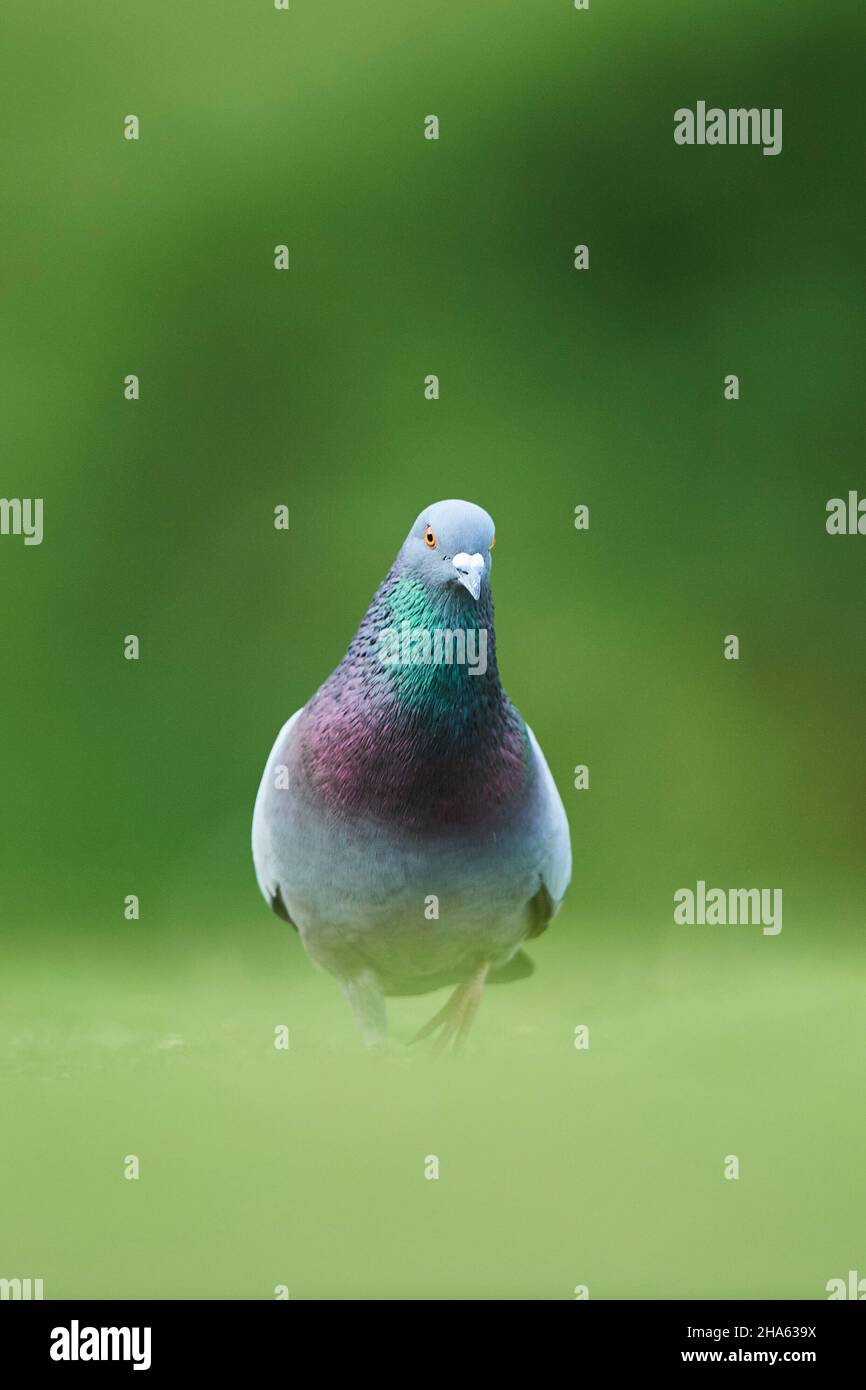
(454, 1021)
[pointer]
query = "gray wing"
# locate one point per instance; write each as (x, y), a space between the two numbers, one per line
(263, 853)
(554, 847)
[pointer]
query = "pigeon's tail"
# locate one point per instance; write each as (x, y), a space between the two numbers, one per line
(518, 968)
(279, 907)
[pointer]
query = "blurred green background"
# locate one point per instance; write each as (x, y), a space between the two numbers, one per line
(411, 257)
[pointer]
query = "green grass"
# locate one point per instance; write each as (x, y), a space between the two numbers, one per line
(557, 1167)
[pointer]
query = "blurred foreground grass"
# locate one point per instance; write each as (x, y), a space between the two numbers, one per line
(558, 1166)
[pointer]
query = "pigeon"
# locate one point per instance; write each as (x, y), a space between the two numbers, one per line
(407, 824)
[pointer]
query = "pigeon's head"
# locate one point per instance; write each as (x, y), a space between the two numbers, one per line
(450, 545)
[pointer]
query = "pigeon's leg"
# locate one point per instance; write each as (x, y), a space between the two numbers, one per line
(455, 1019)
(367, 1003)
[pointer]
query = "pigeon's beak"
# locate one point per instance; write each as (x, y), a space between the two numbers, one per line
(469, 569)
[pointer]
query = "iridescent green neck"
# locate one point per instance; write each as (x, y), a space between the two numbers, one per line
(437, 647)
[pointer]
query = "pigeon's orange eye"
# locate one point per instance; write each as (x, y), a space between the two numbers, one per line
(430, 537)
(492, 544)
